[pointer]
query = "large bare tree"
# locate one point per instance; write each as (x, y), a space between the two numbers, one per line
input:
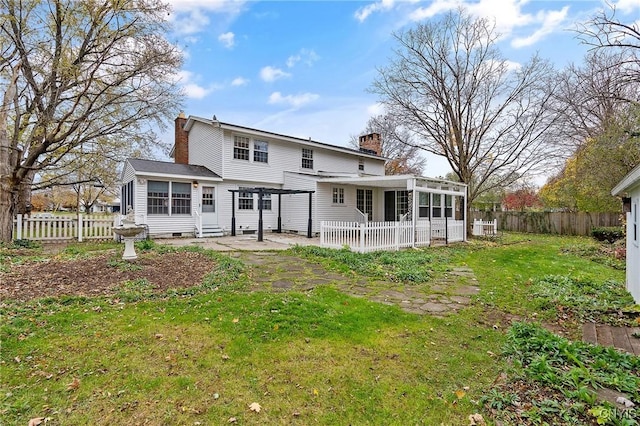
(79, 77)
(398, 145)
(488, 117)
(595, 95)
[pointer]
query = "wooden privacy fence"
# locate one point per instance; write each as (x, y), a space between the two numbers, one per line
(376, 236)
(563, 223)
(59, 228)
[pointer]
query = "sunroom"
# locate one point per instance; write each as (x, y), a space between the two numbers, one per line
(391, 212)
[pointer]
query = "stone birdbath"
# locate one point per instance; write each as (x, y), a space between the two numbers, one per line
(128, 230)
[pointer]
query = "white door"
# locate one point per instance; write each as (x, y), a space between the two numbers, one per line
(209, 214)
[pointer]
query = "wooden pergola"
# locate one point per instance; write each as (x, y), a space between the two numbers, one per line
(261, 192)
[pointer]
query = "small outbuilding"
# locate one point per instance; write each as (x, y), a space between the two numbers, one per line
(629, 190)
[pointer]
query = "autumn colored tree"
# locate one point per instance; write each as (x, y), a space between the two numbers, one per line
(521, 200)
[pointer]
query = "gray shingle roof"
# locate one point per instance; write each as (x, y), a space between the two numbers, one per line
(152, 166)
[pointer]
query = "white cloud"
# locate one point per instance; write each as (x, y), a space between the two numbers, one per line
(376, 109)
(626, 6)
(436, 7)
(306, 56)
(364, 12)
(513, 66)
(191, 22)
(551, 21)
(193, 90)
(239, 81)
(227, 39)
(507, 15)
(270, 74)
(191, 16)
(295, 101)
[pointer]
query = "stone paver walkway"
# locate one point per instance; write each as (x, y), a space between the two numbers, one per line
(281, 272)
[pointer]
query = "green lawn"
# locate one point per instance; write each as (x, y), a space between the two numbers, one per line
(319, 357)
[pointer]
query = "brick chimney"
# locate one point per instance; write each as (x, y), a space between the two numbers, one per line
(371, 143)
(181, 147)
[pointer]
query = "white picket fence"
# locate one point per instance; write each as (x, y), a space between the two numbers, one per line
(376, 236)
(60, 228)
(485, 228)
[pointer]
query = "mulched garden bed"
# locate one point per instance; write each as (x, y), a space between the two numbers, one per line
(102, 275)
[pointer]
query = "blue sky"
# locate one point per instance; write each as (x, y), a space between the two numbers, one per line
(302, 68)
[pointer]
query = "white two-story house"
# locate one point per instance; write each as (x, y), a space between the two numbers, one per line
(222, 170)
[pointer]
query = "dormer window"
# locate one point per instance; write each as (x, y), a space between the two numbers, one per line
(307, 158)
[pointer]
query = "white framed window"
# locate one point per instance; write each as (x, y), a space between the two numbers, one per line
(361, 164)
(448, 205)
(437, 205)
(307, 158)
(162, 194)
(364, 201)
(423, 204)
(245, 199)
(157, 197)
(260, 151)
(241, 148)
(266, 201)
(337, 195)
(180, 198)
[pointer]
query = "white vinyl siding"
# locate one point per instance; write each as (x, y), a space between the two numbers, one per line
(295, 207)
(163, 224)
(206, 147)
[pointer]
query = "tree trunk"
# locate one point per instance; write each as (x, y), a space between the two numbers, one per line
(8, 159)
(7, 210)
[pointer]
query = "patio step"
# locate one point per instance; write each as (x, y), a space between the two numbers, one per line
(211, 231)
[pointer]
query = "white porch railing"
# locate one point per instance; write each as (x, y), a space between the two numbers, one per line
(375, 236)
(484, 228)
(58, 228)
(360, 217)
(198, 225)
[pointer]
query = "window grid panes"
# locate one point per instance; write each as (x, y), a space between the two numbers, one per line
(437, 205)
(180, 198)
(241, 148)
(448, 205)
(260, 152)
(266, 201)
(157, 197)
(338, 195)
(245, 200)
(402, 203)
(364, 201)
(361, 164)
(423, 204)
(307, 158)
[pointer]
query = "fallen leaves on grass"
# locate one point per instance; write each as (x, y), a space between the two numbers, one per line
(36, 421)
(74, 385)
(254, 406)
(476, 420)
